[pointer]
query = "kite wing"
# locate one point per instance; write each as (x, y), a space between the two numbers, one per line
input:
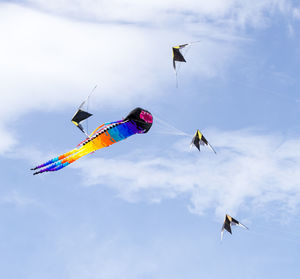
(235, 222)
(137, 122)
(79, 117)
(228, 222)
(177, 55)
(199, 139)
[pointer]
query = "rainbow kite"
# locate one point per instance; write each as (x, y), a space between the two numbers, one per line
(138, 121)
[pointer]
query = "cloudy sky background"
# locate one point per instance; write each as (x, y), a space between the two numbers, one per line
(149, 207)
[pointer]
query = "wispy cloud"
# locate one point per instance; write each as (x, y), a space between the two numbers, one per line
(16, 198)
(251, 171)
(50, 70)
(7, 140)
(233, 13)
(55, 68)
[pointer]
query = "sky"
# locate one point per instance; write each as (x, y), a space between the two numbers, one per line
(148, 206)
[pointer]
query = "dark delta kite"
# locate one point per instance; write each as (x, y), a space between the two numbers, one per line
(81, 114)
(177, 55)
(199, 139)
(228, 222)
(79, 117)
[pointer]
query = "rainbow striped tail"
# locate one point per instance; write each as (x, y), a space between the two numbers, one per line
(60, 162)
(104, 136)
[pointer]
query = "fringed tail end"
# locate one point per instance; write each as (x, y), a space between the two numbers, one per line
(55, 161)
(54, 167)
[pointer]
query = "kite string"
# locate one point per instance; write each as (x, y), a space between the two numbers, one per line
(195, 42)
(87, 105)
(172, 130)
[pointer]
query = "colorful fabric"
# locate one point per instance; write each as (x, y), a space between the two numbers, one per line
(138, 121)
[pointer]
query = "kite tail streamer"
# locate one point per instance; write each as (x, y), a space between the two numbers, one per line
(56, 159)
(65, 160)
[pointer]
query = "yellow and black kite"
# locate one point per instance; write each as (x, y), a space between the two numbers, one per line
(228, 222)
(79, 117)
(199, 139)
(177, 55)
(81, 114)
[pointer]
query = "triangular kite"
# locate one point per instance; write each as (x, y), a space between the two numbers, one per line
(228, 222)
(199, 139)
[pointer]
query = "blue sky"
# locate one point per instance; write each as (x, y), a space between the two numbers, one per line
(149, 207)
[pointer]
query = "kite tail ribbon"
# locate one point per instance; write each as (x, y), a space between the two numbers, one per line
(61, 161)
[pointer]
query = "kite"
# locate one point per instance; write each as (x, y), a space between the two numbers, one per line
(228, 222)
(81, 115)
(138, 121)
(177, 55)
(199, 139)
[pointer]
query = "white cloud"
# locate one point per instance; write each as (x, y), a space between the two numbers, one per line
(250, 171)
(296, 13)
(233, 13)
(53, 61)
(7, 140)
(17, 199)
(49, 62)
